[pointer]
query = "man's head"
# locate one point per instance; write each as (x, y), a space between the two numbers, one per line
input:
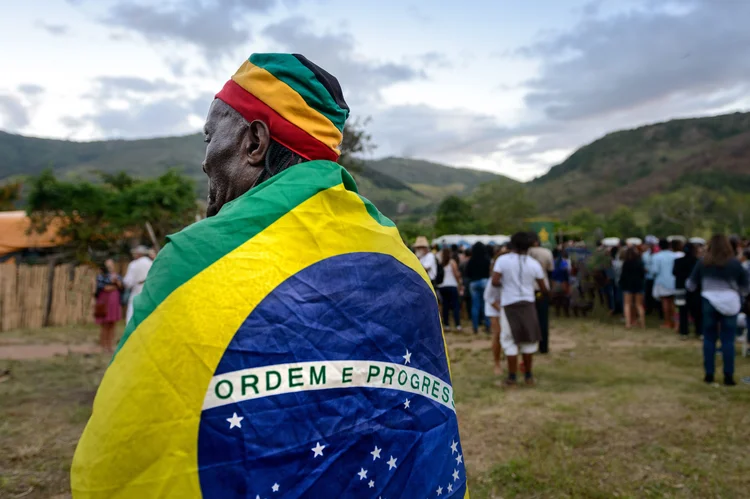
(139, 251)
(421, 246)
(534, 240)
(278, 110)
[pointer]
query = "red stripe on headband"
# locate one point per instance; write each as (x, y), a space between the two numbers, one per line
(282, 131)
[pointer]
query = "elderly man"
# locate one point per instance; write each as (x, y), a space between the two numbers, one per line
(136, 276)
(288, 345)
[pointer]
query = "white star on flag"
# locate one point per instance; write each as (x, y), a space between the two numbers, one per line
(318, 449)
(406, 404)
(371, 484)
(275, 487)
(407, 357)
(376, 453)
(454, 447)
(362, 474)
(235, 420)
(455, 475)
(439, 491)
(459, 459)
(450, 488)
(392, 463)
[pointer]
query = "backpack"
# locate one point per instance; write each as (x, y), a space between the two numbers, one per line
(440, 275)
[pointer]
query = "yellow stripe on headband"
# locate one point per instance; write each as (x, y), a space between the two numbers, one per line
(288, 103)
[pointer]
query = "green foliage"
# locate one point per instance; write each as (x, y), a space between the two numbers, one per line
(716, 180)
(500, 207)
(10, 193)
(100, 217)
(454, 216)
(688, 211)
(621, 223)
(585, 219)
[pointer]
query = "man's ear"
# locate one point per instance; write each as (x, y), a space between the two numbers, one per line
(257, 140)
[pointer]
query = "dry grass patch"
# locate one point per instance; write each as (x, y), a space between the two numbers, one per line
(617, 413)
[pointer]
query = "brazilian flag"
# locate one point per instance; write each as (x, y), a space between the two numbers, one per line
(288, 347)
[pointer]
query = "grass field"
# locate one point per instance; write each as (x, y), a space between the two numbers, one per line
(616, 413)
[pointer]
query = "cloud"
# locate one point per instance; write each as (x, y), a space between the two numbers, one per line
(160, 117)
(448, 136)
(362, 79)
(691, 51)
(53, 29)
(434, 59)
(30, 89)
(212, 27)
(133, 107)
(13, 114)
(109, 87)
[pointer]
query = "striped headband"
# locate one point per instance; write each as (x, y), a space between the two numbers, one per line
(301, 103)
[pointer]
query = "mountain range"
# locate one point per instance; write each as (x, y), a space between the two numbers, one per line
(398, 186)
(621, 168)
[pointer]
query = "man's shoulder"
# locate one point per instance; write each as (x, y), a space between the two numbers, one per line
(535, 264)
(503, 260)
(539, 252)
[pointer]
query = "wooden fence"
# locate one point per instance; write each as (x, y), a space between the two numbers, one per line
(34, 296)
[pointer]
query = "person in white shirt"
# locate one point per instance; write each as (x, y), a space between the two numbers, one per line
(136, 276)
(426, 257)
(450, 289)
(518, 272)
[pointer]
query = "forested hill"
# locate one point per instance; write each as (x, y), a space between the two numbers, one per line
(627, 166)
(398, 186)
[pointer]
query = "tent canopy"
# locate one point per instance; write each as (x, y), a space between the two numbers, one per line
(16, 234)
(467, 240)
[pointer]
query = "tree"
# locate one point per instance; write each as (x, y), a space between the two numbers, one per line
(10, 193)
(621, 223)
(686, 211)
(586, 220)
(356, 141)
(455, 216)
(101, 217)
(502, 207)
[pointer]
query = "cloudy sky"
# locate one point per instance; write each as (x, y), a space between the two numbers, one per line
(511, 86)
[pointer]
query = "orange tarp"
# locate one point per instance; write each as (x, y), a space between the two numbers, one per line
(16, 236)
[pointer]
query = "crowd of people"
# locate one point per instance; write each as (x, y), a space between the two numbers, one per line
(508, 290)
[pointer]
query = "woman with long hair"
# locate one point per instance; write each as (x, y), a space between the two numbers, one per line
(516, 273)
(478, 272)
(108, 311)
(632, 283)
(450, 289)
(722, 281)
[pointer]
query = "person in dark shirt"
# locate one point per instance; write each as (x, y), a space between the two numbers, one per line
(478, 272)
(560, 283)
(723, 281)
(689, 302)
(632, 283)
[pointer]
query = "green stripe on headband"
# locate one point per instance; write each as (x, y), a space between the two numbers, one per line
(290, 70)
